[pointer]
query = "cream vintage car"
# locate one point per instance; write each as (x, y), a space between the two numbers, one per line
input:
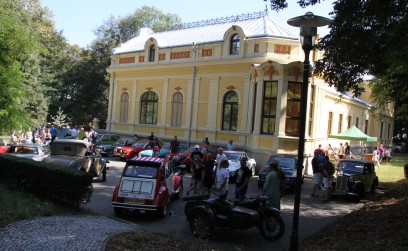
(77, 154)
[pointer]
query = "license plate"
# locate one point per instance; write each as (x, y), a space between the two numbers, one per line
(136, 201)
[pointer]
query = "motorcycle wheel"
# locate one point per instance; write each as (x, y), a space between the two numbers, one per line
(272, 227)
(200, 225)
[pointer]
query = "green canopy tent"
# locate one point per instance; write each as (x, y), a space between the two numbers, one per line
(353, 133)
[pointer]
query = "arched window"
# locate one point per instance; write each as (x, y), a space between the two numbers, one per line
(124, 104)
(149, 103)
(152, 53)
(230, 111)
(177, 109)
(234, 45)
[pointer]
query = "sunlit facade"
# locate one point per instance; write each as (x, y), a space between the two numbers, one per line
(235, 78)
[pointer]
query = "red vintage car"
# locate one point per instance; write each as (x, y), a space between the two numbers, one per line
(127, 152)
(147, 184)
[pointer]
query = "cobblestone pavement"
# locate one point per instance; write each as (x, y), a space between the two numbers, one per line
(85, 232)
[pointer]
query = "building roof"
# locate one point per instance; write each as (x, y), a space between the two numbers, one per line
(255, 25)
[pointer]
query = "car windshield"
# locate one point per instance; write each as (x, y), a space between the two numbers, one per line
(120, 142)
(351, 167)
(68, 149)
(233, 156)
(24, 150)
(140, 144)
(283, 162)
(141, 172)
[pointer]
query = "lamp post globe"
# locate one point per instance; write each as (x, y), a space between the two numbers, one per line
(308, 24)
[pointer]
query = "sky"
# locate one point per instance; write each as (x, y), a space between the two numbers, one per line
(77, 19)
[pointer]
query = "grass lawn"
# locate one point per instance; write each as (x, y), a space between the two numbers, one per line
(392, 171)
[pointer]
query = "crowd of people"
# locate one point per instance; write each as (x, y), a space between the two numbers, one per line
(48, 133)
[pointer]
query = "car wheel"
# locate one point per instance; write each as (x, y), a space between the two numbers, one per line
(162, 212)
(104, 174)
(200, 225)
(253, 170)
(272, 227)
(110, 153)
(360, 190)
(180, 192)
(118, 211)
(373, 188)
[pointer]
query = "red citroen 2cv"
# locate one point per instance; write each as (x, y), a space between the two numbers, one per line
(147, 184)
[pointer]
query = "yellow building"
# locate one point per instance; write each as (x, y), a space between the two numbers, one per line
(233, 78)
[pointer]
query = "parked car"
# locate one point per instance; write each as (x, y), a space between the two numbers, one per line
(4, 145)
(35, 152)
(109, 149)
(147, 184)
(288, 164)
(355, 178)
(106, 138)
(78, 154)
(234, 162)
(164, 150)
(127, 152)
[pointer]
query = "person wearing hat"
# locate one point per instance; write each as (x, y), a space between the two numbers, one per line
(196, 169)
(196, 153)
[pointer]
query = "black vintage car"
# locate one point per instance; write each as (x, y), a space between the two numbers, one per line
(288, 165)
(108, 148)
(355, 178)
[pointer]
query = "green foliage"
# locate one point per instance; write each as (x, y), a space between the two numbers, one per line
(65, 186)
(15, 42)
(368, 38)
(60, 119)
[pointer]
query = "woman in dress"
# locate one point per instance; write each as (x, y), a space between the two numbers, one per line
(271, 188)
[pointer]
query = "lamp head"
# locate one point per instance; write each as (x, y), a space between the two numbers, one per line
(308, 24)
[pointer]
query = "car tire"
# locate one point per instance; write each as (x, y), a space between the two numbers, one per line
(162, 211)
(110, 153)
(118, 211)
(104, 174)
(373, 187)
(201, 225)
(360, 190)
(180, 192)
(253, 170)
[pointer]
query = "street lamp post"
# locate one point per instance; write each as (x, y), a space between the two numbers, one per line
(308, 30)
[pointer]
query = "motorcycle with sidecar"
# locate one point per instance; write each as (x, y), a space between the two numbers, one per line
(205, 213)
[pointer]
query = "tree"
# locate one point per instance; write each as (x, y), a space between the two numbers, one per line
(60, 119)
(369, 38)
(86, 86)
(16, 41)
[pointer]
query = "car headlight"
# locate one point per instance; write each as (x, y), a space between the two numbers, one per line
(351, 179)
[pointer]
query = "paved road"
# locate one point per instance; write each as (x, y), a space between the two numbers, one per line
(314, 215)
